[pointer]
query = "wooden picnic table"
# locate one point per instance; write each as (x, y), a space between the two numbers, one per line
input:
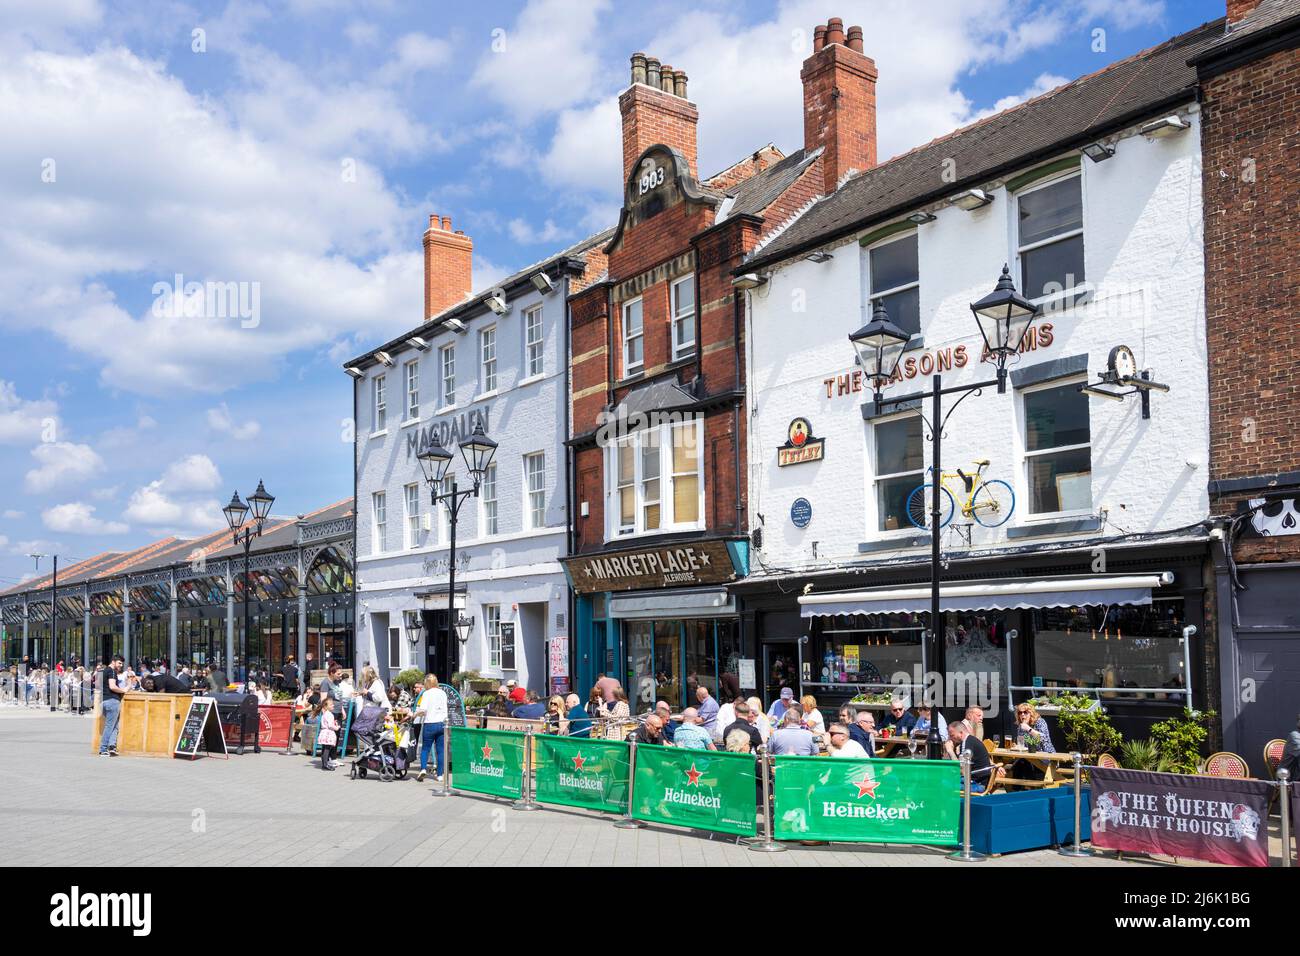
(888, 746)
(1052, 764)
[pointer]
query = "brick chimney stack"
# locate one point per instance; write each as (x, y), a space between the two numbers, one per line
(839, 102)
(1238, 10)
(448, 258)
(655, 110)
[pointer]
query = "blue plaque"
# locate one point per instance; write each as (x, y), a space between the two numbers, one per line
(801, 512)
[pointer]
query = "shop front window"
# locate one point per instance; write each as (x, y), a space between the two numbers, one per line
(640, 664)
(1133, 646)
(701, 660)
(668, 640)
(868, 648)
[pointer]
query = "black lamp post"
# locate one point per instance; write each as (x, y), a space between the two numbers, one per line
(477, 450)
(235, 513)
(1003, 316)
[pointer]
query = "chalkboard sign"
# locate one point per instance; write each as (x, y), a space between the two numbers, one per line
(455, 706)
(201, 729)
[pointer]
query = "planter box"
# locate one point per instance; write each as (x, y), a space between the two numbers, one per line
(1032, 820)
(1051, 710)
(484, 686)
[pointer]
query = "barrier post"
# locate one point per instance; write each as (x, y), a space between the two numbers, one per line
(525, 801)
(965, 854)
(446, 759)
(765, 844)
(627, 823)
(1283, 778)
(1077, 849)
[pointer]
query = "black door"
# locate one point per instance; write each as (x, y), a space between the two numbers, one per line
(780, 669)
(441, 648)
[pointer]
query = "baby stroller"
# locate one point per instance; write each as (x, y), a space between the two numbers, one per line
(377, 748)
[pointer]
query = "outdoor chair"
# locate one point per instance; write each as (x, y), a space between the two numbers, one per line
(1225, 764)
(1273, 751)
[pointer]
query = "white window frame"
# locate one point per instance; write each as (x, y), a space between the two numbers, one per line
(447, 367)
(531, 495)
(492, 633)
(614, 529)
(379, 404)
(629, 367)
(394, 649)
(905, 527)
(680, 350)
(534, 347)
(1081, 283)
(1024, 491)
(378, 522)
(444, 513)
(487, 360)
(489, 504)
(411, 379)
(411, 503)
(873, 294)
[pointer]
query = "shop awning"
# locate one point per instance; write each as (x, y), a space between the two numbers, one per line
(710, 603)
(996, 594)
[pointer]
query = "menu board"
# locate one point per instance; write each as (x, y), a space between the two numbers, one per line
(455, 706)
(201, 730)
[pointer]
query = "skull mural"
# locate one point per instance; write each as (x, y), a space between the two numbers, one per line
(1246, 821)
(1106, 810)
(1277, 517)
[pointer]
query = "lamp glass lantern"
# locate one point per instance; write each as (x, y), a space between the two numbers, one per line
(879, 345)
(434, 461)
(235, 512)
(1004, 316)
(477, 452)
(464, 627)
(261, 502)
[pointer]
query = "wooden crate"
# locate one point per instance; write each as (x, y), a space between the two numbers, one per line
(149, 724)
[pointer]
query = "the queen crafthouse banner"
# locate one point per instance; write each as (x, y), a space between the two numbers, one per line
(577, 772)
(704, 789)
(488, 761)
(866, 801)
(1204, 818)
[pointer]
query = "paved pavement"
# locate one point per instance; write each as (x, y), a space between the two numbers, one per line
(271, 809)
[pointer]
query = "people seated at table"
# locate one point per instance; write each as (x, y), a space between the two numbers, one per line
(579, 722)
(708, 710)
(736, 741)
(776, 713)
(842, 745)
(1031, 733)
(744, 723)
(617, 708)
(691, 734)
(665, 714)
(792, 739)
(761, 720)
(555, 714)
(531, 709)
(974, 718)
(812, 717)
(982, 768)
(863, 731)
(726, 717)
(899, 719)
(649, 731)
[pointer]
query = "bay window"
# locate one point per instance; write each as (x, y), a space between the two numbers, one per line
(656, 479)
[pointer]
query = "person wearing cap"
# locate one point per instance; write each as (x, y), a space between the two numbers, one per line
(777, 711)
(515, 692)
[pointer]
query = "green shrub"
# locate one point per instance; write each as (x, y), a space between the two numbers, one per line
(1089, 732)
(408, 678)
(279, 695)
(461, 677)
(477, 701)
(1179, 739)
(1142, 755)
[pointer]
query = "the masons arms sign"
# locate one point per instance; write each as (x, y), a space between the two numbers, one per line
(679, 565)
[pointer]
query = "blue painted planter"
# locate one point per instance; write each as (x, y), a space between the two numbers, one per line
(1030, 820)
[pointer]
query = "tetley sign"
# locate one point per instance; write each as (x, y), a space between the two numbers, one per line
(449, 431)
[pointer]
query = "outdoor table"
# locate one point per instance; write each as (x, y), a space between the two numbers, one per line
(887, 746)
(1052, 765)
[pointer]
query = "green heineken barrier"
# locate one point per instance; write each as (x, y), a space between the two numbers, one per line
(703, 789)
(488, 761)
(577, 772)
(866, 801)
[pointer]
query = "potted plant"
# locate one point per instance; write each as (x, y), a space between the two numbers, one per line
(1179, 739)
(1089, 731)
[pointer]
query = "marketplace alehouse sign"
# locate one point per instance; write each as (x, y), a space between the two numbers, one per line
(700, 562)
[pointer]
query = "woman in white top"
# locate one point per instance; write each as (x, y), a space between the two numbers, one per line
(760, 718)
(812, 717)
(374, 690)
(431, 710)
(726, 717)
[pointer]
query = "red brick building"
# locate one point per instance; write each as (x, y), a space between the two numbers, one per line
(1250, 86)
(657, 358)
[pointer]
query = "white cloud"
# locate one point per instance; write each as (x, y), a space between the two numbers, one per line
(526, 234)
(60, 463)
(77, 517)
(546, 60)
(219, 420)
(105, 494)
(127, 435)
(23, 421)
(4, 542)
(415, 53)
(11, 513)
(192, 473)
(1042, 84)
(154, 508)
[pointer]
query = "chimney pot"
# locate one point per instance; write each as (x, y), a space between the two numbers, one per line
(666, 75)
(433, 220)
(679, 84)
(660, 115)
(638, 67)
(652, 76)
(819, 39)
(446, 223)
(835, 31)
(448, 265)
(855, 39)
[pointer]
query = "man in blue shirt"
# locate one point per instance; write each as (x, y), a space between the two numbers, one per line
(708, 710)
(898, 720)
(777, 711)
(691, 734)
(533, 709)
(579, 722)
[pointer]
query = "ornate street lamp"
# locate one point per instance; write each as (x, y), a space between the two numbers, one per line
(1004, 316)
(236, 513)
(879, 345)
(477, 451)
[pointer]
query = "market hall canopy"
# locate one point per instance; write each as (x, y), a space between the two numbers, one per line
(994, 594)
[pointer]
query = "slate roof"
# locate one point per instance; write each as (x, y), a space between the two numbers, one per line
(756, 193)
(1270, 18)
(1065, 118)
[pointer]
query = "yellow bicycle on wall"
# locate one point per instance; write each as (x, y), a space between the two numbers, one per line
(988, 502)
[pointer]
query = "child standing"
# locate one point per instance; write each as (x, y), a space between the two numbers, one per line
(328, 736)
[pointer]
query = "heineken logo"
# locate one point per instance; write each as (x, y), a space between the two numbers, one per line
(866, 812)
(485, 769)
(693, 776)
(866, 786)
(487, 751)
(578, 761)
(581, 783)
(696, 799)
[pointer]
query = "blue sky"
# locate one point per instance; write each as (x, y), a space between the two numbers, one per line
(297, 148)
